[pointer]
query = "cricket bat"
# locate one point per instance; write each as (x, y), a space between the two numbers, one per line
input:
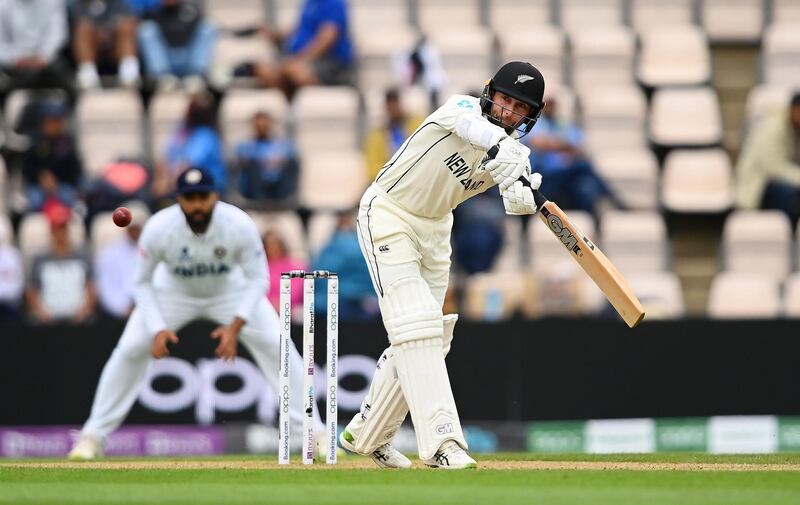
(590, 258)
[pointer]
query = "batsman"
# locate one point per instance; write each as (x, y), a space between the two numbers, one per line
(404, 224)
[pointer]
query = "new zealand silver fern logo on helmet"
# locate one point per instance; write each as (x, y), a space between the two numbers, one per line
(523, 78)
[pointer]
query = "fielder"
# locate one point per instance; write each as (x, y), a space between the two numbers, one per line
(200, 259)
(404, 225)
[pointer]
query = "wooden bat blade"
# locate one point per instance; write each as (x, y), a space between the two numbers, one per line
(594, 262)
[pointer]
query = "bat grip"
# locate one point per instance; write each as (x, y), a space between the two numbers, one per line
(538, 197)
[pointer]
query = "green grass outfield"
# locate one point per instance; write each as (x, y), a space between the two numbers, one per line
(651, 479)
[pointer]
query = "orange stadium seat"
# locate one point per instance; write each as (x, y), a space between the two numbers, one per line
(326, 118)
(780, 54)
(512, 15)
(614, 117)
(660, 294)
(232, 14)
(332, 180)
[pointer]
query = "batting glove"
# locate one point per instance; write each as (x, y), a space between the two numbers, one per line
(518, 198)
(510, 163)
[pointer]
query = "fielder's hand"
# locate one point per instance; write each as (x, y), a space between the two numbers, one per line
(510, 162)
(160, 343)
(518, 198)
(228, 338)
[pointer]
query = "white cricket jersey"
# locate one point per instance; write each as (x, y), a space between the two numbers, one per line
(436, 169)
(228, 256)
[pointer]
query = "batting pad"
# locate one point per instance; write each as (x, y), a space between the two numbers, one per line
(384, 408)
(426, 387)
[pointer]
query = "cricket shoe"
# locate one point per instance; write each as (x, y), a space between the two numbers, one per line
(384, 456)
(85, 449)
(452, 457)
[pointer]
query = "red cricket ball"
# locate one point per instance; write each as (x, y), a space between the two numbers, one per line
(122, 217)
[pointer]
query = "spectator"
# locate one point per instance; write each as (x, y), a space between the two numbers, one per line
(268, 164)
(177, 42)
(107, 27)
(318, 50)
(768, 172)
(567, 173)
(478, 231)
(115, 285)
(195, 143)
(385, 140)
(51, 167)
(342, 255)
(12, 282)
(32, 32)
(60, 287)
(279, 261)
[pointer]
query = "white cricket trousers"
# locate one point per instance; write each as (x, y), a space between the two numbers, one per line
(125, 371)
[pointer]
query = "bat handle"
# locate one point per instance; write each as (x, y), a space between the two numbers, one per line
(538, 197)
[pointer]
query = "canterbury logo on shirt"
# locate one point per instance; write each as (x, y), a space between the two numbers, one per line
(201, 269)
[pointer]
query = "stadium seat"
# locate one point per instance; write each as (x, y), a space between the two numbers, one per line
(109, 126)
(513, 15)
(493, 296)
(6, 230)
(602, 56)
(102, 229)
(448, 15)
(780, 54)
(545, 251)
(466, 53)
(366, 15)
(415, 100)
(288, 225)
(567, 109)
(34, 235)
(660, 293)
(509, 259)
(791, 296)
(614, 117)
(331, 180)
(564, 289)
(635, 241)
(674, 55)
(238, 107)
(697, 181)
(321, 226)
(19, 98)
(785, 11)
(733, 20)
(632, 173)
(648, 14)
(326, 118)
(741, 295)
(685, 117)
(233, 14)
(378, 49)
(542, 45)
(165, 114)
(284, 13)
(763, 99)
(229, 52)
(758, 242)
(576, 15)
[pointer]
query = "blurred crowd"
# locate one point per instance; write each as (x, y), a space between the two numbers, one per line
(56, 54)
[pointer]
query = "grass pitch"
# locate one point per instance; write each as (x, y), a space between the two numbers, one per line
(652, 479)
